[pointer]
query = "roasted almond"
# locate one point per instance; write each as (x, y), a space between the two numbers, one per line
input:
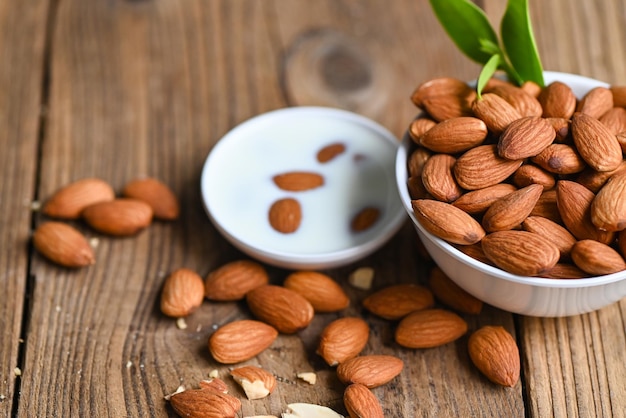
(529, 174)
(608, 208)
(596, 258)
(371, 371)
(511, 210)
(525, 137)
(494, 352)
(560, 159)
(241, 340)
(205, 403)
(595, 143)
(596, 102)
(451, 294)
(365, 218)
(330, 152)
(482, 167)
(343, 339)
(280, 307)
(396, 301)
(455, 135)
(478, 201)
(285, 215)
(182, 293)
(496, 112)
(324, 293)
(255, 382)
(69, 201)
(63, 244)
(157, 194)
(419, 127)
(551, 231)
(557, 100)
(447, 222)
(360, 402)
(438, 179)
(429, 328)
(120, 217)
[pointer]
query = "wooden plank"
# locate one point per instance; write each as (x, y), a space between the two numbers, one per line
(21, 68)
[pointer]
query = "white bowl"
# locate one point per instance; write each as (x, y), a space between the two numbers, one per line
(523, 295)
(237, 187)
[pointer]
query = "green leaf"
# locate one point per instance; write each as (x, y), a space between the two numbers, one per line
(467, 25)
(519, 42)
(486, 73)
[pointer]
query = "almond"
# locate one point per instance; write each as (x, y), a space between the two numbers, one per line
(529, 174)
(525, 137)
(416, 188)
(443, 107)
(419, 127)
(282, 308)
(417, 160)
(371, 371)
(525, 103)
(442, 86)
(157, 194)
(120, 217)
(596, 102)
(63, 244)
(241, 340)
(451, 294)
(564, 271)
(546, 207)
(438, 179)
(621, 242)
(531, 88)
(343, 339)
(560, 159)
(285, 215)
(364, 219)
(255, 382)
(324, 293)
(205, 403)
(520, 252)
(594, 180)
(455, 135)
(330, 152)
(494, 352)
(596, 258)
(615, 120)
(233, 280)
(552, 232)
(476, 252)
(396, 301)
(561, 127)
(429, 328)
(482, 167)
(496, 112)
(69, 201)
(511, 210)
(478, 201)
(619, 95)
(621, 139)
(595, 143)
(608, 209)
(360, 402)
(298, 181)
(447, 222)
(557, 100)
(182, 293)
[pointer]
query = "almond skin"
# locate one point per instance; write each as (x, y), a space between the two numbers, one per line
(525, 137)
(157, 194)
(370, 371)
(119, 217)
(454, 135)
(557, 100)
(438, 179)
(324, 293)
(478, 201)
(596, 258)
(280, 307)
(551, 231)
(330, 152)
(360, 402)
(520, 252)
(608, 209)
(69, 201)
(182, 293)
(494, 352)
(447, 222)
(482, 167)
(205, 403)
(63, 244)
(298, 181)
(233, 280)
(241, 340)
(397, 301)
(595, 143)
(511, 210)
(496, 112)
(429, 328)
(285, 215)
(343, 339)
(451, 294)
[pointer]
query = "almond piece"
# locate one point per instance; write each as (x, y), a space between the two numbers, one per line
(330, 152)
(205, 403)
(215, 384)
(529, 174)
(557, 100)
(596, 258)
(520, 252)
(241, 340)
(560, 159)
(371, 371)
(595, 143)
(438, 179)
(360, 402)
(429, 328)
(343, 339)
(396, 301)
(298, 181)
(478, 201)
(119, 217)
(564, 271)
(608, 208)
(551, 231)
(233, 280)
(419, 127)
(451, 294)
(157, 194)
(511, 210)
(255, 382)
(494, 352)
(447, 222)
(455, 135)
(525, 137)
(364, 219)
(324, 293)
(282, 308)
(482, 167)
(63, 244)
(596, 102)
(69, 201)
(285, 215)
(441, 86)
(496, 112)
(182, 293)
(308, 410)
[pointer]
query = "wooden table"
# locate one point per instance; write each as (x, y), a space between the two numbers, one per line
(119, 89)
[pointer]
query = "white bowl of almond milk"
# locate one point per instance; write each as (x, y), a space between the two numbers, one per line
(238, 187)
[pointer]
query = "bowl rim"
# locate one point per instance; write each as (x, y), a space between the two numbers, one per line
(402, 176)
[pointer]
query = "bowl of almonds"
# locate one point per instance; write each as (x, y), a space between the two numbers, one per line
(519, 194)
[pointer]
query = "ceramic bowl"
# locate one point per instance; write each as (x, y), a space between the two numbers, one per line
(523, 295)
(238, 189)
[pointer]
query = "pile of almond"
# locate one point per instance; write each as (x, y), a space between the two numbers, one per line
(529, 179)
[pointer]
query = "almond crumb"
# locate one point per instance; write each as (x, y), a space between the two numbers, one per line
(181, 323)
(179, 389)
(214, 374)
(362, 278)
(308, 377)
